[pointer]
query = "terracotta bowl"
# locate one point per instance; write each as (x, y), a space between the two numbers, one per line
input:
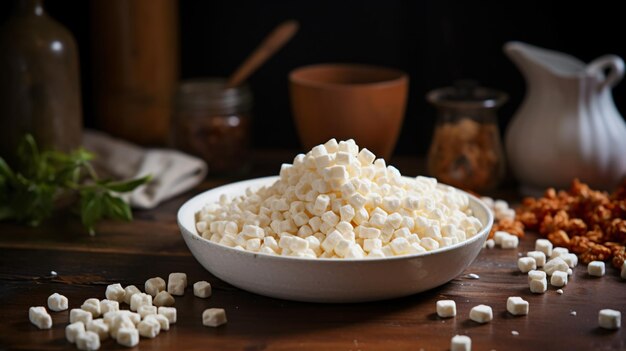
(344, 101)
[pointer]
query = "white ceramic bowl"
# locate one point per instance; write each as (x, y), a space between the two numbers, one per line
(327, 280)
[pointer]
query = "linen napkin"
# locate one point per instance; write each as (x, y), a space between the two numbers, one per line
(173, 172)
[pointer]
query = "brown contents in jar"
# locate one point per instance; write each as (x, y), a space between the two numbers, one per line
(588, 222)
(222, 141)
(466, 154)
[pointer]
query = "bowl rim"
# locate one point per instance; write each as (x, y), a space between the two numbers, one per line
(400, 78)
(483, 232)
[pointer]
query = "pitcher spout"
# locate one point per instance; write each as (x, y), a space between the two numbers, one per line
(532, 58)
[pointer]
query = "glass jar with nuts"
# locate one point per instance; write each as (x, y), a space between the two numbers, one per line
(466, 150)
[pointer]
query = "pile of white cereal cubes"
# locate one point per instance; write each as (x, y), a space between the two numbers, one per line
(341, 202)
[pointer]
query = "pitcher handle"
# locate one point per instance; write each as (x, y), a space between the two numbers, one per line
(615, 66)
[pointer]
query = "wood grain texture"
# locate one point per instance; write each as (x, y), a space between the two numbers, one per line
(130, 253)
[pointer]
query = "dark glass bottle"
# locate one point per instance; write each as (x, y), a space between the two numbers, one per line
(39, 84)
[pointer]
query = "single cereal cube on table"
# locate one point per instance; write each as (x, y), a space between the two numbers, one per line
(177, 283)
(510, 242)
(57, 302)
(202, 289)
(596, 268)
(40, 317)
(517, 306)
(526, 264)
(545, 246)
(623, 272)
(213, 317)
(446, 308)
(538, 286)
(481, 314)
(609, 319)
(115, 292)
(461, 343)
(558, 279)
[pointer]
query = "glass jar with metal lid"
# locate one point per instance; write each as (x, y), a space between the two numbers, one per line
(213, 123)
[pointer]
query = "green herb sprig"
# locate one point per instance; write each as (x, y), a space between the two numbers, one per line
(30, 191)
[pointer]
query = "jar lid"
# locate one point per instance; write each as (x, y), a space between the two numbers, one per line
(467, 94)
(212, 94)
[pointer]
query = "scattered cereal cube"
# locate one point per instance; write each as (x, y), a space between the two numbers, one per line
(146, 310)
(517, 306)
(154, 286)
(99, 327)
(92, 306)
(571, 259)
(526, 264)
(115, 292)
(128, 337)
(446, 308)
(213, 317)
(169, 313)
(149, 327)
(88, 341)
(510, 242)
(140, 299)
(544, 245)
(163, 299)
(109, 306)
(461, 343)
(609, 319)
(77, 314)
(623, 272)
(57, 302)
(163, 321)
(202, 289)
(129, 291)
(481, 314)
(538, 286)
(558, 279)
(73, 330)
(40, 317)
(596, 268)
(558, 252)
(555, 264)
(538, 256)
(177, 283)
(536, 275)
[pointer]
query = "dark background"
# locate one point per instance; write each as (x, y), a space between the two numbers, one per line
(435, 42)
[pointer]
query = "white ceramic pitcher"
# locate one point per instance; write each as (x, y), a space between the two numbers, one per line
(567, 126)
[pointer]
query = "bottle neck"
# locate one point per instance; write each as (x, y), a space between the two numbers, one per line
(30, 8)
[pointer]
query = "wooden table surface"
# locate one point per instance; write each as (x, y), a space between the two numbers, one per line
(151, 245)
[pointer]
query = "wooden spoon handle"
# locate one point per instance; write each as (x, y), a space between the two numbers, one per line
(265, 50)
